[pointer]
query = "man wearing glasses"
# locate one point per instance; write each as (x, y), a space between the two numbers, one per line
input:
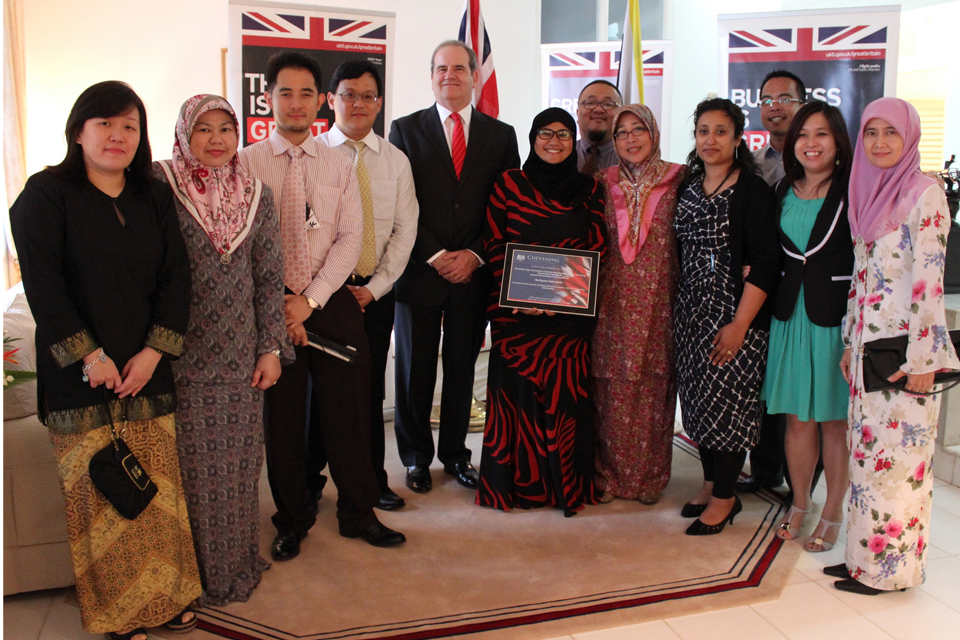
(781, 96)
(595, 108)
(390, 214)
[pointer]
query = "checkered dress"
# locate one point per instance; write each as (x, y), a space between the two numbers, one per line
(720, 405)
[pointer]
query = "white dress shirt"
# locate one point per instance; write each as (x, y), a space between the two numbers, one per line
(395, 208)
(335, 225)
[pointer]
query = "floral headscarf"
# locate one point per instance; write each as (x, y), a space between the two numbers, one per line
(222, 200)
(636, 189)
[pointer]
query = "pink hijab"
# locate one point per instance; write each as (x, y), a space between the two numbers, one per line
(223, 201)
(881, 199)
(636, 189)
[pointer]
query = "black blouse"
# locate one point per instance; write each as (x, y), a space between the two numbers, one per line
(91, 282)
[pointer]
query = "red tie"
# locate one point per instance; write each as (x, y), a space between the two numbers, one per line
(459, 143)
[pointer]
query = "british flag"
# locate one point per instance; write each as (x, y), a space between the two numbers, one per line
(600, 64)
(278, 28)
(473, 32)
(808, 43)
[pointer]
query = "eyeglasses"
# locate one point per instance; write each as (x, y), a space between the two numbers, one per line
(562, 134)
(348, 96)
(768, 102)
(590, 105)
(636, 132)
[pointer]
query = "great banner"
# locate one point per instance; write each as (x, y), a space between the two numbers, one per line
(567, 68)
(846, 57)
(257, 30)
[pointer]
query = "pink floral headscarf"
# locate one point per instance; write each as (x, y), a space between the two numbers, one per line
(636, 189)
(881, 199)
(221, 200)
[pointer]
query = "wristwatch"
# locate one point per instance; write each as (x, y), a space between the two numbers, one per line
(310, 301)
(275, 352)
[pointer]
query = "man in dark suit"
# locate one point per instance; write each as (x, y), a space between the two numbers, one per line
(456, 153)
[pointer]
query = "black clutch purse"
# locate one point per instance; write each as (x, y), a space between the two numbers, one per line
(882, 358)
(117, 474)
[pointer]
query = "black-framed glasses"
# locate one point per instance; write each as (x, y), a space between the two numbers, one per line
(636, 132)
(562, 134)
(590, 105)
(349, 96)
(768, 102)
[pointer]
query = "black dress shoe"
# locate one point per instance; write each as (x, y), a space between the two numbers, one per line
(691, 510)
(378, 535)
(853, 586)
(699, 528)
(286, 546)
(754, 484)
(464, 472)
(389, 501)
(838, 571)
(418, 478)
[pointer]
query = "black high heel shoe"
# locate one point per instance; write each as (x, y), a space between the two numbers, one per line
(691, 510)
(838, 571)
(698, 528)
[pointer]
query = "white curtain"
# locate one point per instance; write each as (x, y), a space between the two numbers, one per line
(14, 125)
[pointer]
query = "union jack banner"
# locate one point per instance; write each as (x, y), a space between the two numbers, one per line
(808, 43)
(473, 32)
(600, 64)
(263, 28)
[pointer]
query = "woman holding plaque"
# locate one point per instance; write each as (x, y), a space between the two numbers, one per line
(633, 376)
(539, 442)
(726, 227)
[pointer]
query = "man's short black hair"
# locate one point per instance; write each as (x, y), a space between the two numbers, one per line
(353, 69)
(292, 60)
(783, 73)
(609, 84)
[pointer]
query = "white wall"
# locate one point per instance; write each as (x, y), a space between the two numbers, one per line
(169, 50)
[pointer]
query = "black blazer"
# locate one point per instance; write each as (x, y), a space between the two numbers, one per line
(452, 212)
(824, 267)
(753, 240)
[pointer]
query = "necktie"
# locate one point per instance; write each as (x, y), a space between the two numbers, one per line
(459, 151)
(592, 163)
(293, 229)
(368, 251)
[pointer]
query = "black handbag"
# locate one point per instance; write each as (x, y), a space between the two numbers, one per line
(117, 473)
(882, 358)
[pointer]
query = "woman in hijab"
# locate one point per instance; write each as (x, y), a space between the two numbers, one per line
(635, 388)
(233, 343)
(538, 445)
(899, 221)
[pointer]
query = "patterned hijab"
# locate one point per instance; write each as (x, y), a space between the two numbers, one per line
(636, 189)
(222, 200)
(881, 199)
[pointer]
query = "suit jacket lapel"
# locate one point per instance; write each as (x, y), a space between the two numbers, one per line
(433, 130)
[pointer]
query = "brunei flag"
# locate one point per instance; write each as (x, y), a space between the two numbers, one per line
(630, 76)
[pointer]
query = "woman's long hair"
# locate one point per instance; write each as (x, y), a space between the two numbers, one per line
(742, 158)
(838, 128)
(105, 100)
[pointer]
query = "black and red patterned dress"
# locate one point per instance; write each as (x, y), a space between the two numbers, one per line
(539, 440)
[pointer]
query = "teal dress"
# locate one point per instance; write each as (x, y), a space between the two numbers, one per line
(803, 365)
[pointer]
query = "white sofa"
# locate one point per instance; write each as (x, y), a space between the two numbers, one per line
(36, 554)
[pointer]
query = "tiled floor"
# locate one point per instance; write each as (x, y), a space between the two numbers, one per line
(809, 609)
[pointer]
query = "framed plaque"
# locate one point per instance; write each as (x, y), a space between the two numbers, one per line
(550, 278)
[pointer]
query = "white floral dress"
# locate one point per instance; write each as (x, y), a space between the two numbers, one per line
(897, 289)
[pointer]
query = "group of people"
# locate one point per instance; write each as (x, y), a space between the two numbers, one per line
(182, 303)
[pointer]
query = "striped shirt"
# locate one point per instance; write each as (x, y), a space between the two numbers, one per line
(335, 225)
